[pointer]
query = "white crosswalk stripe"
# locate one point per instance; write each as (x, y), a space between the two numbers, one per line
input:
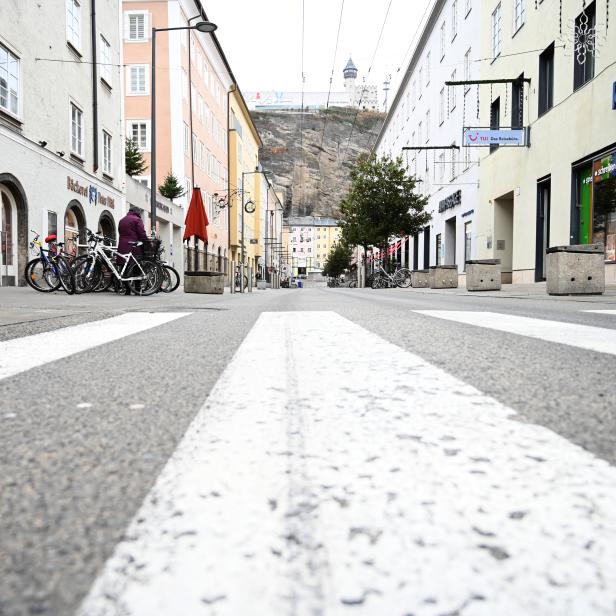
(343, 475)
(598, 339)
(601, 311)
(21, 354)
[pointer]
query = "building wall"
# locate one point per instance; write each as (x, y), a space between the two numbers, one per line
(309, 240)
(448, 178)
(580, 124)
(41, 181)
(206, 83)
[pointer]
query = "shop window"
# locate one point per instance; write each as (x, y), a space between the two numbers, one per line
(7, 230)
(467, 242)
(585, 71)
(52, 223)
(439, 247)
(495, 120)
(546, 80)
(604, 205)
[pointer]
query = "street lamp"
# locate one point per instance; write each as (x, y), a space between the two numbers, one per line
(202, 26)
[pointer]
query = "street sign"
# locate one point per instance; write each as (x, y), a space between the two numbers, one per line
(254, 241)
(483, 137)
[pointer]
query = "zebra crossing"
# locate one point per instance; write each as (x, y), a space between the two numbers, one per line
(373, 483)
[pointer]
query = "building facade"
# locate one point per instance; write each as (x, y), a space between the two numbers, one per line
(308, 241)
(61, 132)
(245, 200)
(192, 81)
(427, 114)
(560, 188)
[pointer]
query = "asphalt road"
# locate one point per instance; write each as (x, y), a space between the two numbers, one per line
(85, 437)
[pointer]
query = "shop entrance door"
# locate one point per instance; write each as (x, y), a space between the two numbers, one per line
(585, 205)
(8, 239)
(543, 227)
(426, 248)
(503, 231)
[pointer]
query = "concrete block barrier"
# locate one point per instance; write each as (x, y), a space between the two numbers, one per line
(443, 277)
(420, 279)
(575, 270)
(483, 275)
(204, 282)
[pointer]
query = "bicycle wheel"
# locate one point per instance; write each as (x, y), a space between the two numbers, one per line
(41, 275)
(402, 278)
(171, 279)
(87, 272)
(377, 282)
(106, 279)
(65, 273)
(149, 280)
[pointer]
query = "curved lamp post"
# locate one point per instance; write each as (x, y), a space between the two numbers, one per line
(202, 26)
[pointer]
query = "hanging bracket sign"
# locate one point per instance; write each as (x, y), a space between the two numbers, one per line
(484, 137)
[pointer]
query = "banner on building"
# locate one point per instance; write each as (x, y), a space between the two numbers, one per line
(484, 137)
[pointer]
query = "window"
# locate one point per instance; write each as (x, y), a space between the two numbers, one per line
(106, 153)
(427, 126)
(467, 242)
(441, 107)
(454, 163)
(420, 81)
(9, 81)
(195, 149)
(585, 71)
(186, 139)
(452, 93)
(105, 60)
(519, 14)
(76, 130)
(419, 133)
(413, 93)
(454, 19)
(467, 69)
(184, 85)
(517, 103)
(137, 79)
(546, 80)
(497, 32)
(428, 68)
(495, 120)
(467, 158)
(467, 7)
(136, 27)
(441, 166)
(52, 223)
(442, 40)
(439, 247)
(138, 132)
(73, 23)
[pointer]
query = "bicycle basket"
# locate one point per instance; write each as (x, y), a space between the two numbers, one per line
(151, 247)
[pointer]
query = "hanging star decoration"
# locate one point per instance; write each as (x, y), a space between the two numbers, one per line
(584, 38)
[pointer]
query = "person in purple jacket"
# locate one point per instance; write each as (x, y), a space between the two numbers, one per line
(130, 229)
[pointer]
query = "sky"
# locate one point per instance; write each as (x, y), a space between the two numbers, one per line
(263, 41)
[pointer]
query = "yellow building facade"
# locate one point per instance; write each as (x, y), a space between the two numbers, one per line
(244, 184)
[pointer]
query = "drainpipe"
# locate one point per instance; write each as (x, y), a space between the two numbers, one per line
(94, 84)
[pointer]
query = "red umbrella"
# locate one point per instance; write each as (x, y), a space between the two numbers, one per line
(196, 218)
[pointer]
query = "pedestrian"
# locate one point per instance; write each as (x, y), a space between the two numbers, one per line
(131, 231)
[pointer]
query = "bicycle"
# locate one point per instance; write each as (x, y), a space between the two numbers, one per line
(238, 286)
(97, 271)
(400, 278)
(50, 270)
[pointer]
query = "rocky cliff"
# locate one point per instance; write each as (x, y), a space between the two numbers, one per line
(310, 154)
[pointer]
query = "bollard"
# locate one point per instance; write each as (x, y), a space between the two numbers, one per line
(575, 270)
(483, 275)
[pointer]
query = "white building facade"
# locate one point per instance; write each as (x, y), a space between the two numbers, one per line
(428, 114)
(561, 188)
(61, 132)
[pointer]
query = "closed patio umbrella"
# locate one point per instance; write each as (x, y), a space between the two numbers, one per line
(196, 221)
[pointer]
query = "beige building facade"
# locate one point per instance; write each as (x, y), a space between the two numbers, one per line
(561, 187)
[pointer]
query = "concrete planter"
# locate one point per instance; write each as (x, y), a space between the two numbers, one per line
(420, 279)
(483, 275)
(444, 277)
(204, 282)
(575, 270)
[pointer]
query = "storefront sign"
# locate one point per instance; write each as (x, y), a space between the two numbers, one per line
(468, 213)
(605, 168)
(480, 137)
(450, 202)
(92, 193)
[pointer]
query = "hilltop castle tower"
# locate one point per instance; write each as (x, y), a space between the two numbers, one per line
(362, 95)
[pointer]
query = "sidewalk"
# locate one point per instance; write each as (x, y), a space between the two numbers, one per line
(534, 291)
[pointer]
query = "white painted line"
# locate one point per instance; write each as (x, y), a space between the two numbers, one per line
(598, 339)
(22, 354)
(601, 311)
(330, 472)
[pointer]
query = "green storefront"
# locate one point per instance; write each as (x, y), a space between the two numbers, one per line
(594, 207)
